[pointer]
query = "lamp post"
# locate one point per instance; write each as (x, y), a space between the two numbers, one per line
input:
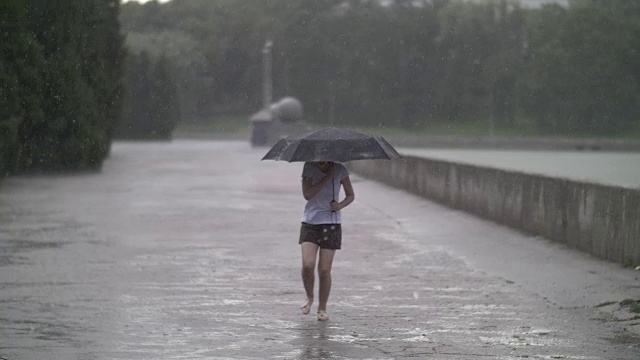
(267, 76)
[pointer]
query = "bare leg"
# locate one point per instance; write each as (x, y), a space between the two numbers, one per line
(324, 273)
(309, 253)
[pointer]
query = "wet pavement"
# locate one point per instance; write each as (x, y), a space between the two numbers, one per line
(188, 250)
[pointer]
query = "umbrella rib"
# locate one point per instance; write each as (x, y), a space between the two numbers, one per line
(293, 149)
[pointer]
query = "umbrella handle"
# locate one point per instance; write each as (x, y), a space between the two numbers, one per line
(333, 188)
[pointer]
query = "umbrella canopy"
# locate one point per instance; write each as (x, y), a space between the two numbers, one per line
(332, 144)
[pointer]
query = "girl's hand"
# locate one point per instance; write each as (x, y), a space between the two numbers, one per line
(335, 206)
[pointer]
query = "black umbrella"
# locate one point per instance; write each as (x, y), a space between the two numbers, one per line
(332, 144)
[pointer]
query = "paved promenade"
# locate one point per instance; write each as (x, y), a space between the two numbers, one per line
(188, 250)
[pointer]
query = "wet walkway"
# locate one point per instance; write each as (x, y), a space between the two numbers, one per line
(188, 250)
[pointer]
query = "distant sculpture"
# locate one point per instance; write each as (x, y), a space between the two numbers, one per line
(287, 110)
(280, 119)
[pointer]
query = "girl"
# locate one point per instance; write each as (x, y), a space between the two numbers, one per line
(321, 230)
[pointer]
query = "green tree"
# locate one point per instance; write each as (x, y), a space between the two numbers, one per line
(21, 64)
(81, 50)
(403, 62)
(61, 91)
(164, 102)
(152, 105)
(581, 77)
(505, 63)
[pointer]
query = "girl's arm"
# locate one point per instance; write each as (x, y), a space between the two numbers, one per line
(350, 195)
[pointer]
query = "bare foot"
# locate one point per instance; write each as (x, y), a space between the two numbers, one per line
(306, 307)
(322, 315)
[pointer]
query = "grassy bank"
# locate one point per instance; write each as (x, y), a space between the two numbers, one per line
(237, 127)
(217, 127)
(484, 129)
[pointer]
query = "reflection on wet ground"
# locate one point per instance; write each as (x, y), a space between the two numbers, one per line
(188, 250)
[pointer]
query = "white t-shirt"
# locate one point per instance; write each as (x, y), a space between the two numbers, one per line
(318, 209)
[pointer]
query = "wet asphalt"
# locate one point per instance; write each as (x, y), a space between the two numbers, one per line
(188, 250)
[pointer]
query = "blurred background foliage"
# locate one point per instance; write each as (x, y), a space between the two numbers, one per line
(74, 75)
(151, 101)
(414, 64)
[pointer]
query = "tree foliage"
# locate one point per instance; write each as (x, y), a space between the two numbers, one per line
(151, 108)
(21, 79)
(581, 71)
(61, 84)
(566, 69)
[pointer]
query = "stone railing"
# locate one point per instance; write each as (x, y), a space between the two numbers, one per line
(598, 219)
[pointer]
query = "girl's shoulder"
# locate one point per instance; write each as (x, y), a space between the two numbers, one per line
(342, 170)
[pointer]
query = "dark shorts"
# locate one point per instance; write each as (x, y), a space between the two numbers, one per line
(327, 236)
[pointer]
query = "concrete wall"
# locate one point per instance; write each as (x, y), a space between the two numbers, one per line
(520, 143)
(601, 220)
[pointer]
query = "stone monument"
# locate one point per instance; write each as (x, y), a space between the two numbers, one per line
(280, 119)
